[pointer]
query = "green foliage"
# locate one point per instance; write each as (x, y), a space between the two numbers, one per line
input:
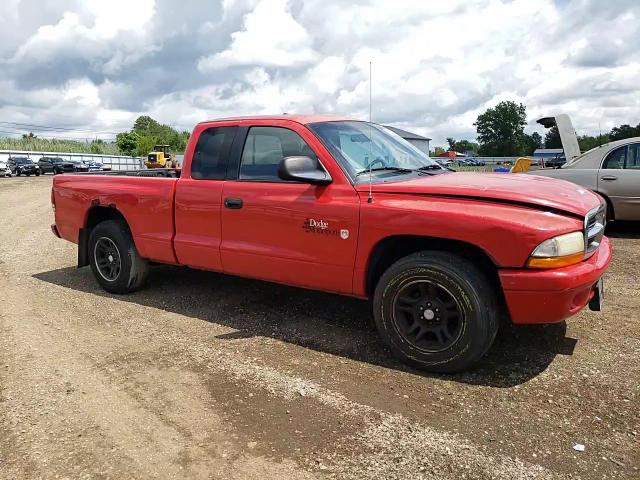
(97, 146)
(501, 129)
(588, 142)
(54, 145)
(30, 136)
(452, 143)
(464, 146)
(437, 151)
(624, 131)
(127, 142)
(552, 138)
(153, 133)
(145, 144)
(530, 143)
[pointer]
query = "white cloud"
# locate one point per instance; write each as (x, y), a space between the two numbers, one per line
(271, 37)
(436, 65)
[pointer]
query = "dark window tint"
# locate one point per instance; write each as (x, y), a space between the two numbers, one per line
(633, 157)
(616, 158)
(210, 156)
(265, 147)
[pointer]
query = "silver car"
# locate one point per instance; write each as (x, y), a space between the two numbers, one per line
(612, 170)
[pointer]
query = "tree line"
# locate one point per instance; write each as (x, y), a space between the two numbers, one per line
(501, 133)
(146, 133)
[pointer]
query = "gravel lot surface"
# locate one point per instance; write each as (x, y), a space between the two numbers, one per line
(205, 376)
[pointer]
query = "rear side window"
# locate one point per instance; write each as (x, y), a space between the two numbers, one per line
(211, 153)
(633, 157)
(265, 147)
(616, 159)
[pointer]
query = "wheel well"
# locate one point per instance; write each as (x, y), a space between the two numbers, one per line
(99, 214)
(391, 249)
(96, 215)
(610, 211)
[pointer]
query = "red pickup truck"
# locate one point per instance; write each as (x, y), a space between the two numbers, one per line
(345, 206)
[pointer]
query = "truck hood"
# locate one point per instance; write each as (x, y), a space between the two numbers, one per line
(568, 135)
(514, 188)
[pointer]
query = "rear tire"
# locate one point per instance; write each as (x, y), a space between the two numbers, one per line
(113, 258)
(436, 311)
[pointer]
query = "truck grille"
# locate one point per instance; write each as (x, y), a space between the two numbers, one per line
(594, 224)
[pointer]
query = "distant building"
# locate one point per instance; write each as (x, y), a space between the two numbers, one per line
(418, 141)
(546, 153)
(452, 154)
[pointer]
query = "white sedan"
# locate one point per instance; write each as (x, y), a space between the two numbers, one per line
(5, 171)
(612, 170)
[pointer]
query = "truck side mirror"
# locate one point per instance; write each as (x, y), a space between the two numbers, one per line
(303, 169)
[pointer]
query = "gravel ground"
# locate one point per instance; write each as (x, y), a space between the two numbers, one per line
(205, 376)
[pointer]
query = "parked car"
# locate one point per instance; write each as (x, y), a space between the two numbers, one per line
(475, 161)
(79, 166)
(555, 162)
(346, 207)
(5, 171)
(23, 166)
(94, 166)
(55, 165)
(612, 170)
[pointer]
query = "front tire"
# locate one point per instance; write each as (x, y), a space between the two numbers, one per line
(113, 258)
(436, 311)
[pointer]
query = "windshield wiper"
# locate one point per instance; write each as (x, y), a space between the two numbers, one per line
(379, 169)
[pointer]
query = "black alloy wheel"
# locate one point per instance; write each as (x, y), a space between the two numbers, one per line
(428, 315)
(437, 311)
(107, 259)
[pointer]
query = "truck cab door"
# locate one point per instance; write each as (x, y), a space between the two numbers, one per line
(285, 231)
(619, 180)
(198, 200)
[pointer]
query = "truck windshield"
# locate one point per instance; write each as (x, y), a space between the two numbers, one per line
(359, 146)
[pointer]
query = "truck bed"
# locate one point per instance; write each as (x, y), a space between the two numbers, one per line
(145, 198)
(148, 172)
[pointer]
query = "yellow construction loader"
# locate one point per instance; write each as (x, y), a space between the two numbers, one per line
(161, 157)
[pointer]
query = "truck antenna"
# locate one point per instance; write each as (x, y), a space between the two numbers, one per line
(370, 199)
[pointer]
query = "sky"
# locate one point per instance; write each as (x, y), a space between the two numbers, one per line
(92, 67)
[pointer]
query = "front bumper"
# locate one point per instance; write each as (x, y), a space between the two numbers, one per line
(550, 296)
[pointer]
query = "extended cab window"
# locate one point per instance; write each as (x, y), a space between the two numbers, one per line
(210, 155)
(265, 147)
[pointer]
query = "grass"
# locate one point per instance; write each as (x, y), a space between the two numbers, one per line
(56, 145)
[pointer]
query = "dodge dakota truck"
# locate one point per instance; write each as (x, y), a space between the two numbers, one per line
(348, 207)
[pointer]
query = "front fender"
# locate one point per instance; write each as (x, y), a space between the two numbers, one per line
(507, 233)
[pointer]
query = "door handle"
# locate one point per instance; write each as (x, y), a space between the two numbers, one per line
(233, 203)
(609, 177)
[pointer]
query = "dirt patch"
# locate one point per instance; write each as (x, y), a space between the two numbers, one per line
(206, 376)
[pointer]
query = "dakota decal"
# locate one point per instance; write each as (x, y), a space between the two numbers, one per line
(312, 225)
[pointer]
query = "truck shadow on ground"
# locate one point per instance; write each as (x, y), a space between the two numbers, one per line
(328, 323)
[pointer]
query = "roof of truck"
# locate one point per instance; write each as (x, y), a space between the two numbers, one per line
(303, 119)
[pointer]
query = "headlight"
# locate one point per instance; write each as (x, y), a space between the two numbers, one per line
(560, 251)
